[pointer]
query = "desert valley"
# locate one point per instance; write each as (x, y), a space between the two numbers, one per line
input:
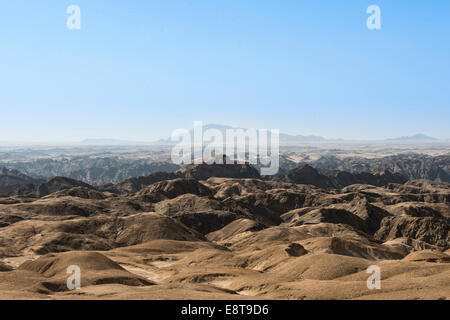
(144, 228)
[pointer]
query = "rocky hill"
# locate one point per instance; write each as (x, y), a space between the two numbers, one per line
(14, 178)
(45, 188)
(306, 174)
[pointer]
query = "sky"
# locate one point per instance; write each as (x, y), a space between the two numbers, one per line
(137, 70)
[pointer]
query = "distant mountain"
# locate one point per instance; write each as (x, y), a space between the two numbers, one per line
(284, 138)
(107, 142)
(416, 137)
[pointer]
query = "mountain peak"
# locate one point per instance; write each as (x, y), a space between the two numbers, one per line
(416, 137)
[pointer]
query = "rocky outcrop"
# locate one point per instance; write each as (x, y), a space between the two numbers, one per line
(429, 229)
(306, 174)
(50, 186)
(205, 171)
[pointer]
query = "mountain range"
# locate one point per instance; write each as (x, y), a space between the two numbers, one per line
(414, 138)
(284, 138)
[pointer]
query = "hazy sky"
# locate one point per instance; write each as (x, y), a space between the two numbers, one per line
(140, 69)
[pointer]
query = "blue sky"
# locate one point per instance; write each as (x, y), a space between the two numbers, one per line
(137, 70)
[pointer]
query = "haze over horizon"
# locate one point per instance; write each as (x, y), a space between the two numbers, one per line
(138, 71)
(285, 138)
